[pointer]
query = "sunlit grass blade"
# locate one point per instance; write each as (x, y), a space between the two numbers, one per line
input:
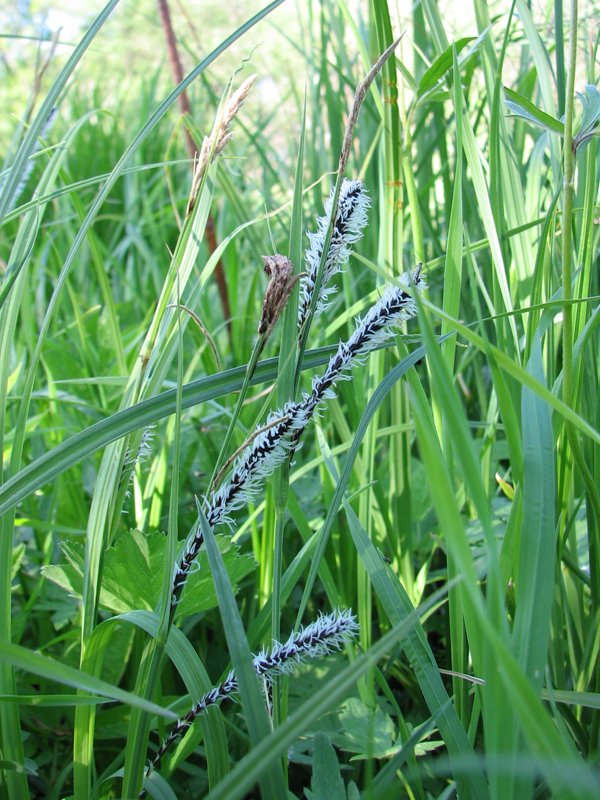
(259, 726)
(398, 608)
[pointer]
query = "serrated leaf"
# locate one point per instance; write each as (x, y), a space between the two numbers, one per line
(133, 573)
(522, 107)
(365, 732)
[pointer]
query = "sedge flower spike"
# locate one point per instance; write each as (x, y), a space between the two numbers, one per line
(278, 441)
(350, 219)
(258, 460)
(393, 307)
(327, 633)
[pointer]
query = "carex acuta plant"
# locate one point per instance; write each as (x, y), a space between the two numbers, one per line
(274, 442)
(329, 250)
(268, 447)
(329, 632)
(351, 217)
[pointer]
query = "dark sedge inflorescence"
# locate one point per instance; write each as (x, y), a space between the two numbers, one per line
(275, 443)
(327, 633)
(350, 219)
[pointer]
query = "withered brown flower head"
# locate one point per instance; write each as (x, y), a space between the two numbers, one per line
(281, 282)
(219, 138)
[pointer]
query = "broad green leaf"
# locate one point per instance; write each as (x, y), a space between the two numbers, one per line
(366, 732)
(133, 572)
(522, 107)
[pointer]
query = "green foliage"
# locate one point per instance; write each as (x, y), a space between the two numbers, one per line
(133, 573)
(448, 494)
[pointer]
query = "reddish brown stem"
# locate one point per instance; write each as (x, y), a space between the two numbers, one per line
(184, 105)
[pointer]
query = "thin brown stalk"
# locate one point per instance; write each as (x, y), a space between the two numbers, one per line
(185, 107)
(359, 97)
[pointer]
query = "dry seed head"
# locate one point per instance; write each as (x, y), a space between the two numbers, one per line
(359, 97)
(281, 282)
(235, 102)
(219, 138)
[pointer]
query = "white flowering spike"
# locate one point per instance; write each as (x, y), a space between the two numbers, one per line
(275, 443)
(260, 458)
(394, 306)
(350, 219)
(327, 633)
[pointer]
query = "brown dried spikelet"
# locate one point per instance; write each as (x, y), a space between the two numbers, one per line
(218, 139)
(359, 97)
(281, 282)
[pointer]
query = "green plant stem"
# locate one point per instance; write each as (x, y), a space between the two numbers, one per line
(139, 726)
(250, 369)
(568, 189)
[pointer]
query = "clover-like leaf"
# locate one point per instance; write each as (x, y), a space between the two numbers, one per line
(133, 569)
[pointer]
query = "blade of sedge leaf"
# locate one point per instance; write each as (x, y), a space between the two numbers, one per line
(521, 375)
(140, 415)
(441, 65)
(397, 606)
(555, 756)
(259, 725)
(537, 546)
(52, 670)
(525, 108)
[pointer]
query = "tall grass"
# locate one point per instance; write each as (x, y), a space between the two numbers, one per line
(448, 494)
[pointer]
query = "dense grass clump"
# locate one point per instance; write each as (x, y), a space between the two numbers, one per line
(332, 531)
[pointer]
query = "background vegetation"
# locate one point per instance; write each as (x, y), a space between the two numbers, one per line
(448, 495)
